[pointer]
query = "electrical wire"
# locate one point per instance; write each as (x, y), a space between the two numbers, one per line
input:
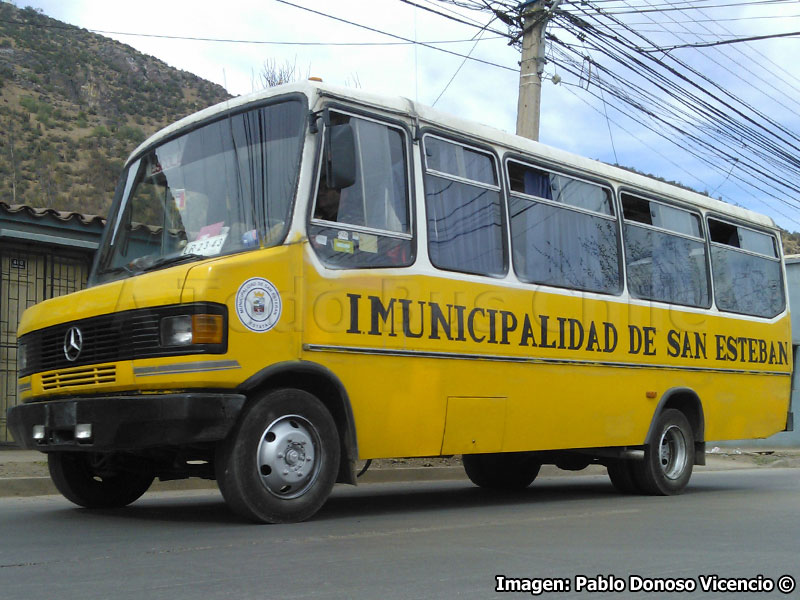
(748, 76)
(452, 18)
(672, 98)
(663, 93)
(715, 84)
(458, 70)
(719, 20)
(242, 41)
(691, 6)
(766, 176)
(754, 38)
(399, 37)
(691, 151)
(763, 57)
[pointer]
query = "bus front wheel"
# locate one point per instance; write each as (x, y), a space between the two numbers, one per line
(98, 480)
(280, 462)
(501, 471)
(668, 456)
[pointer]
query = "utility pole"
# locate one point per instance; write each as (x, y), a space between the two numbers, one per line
(535, 15)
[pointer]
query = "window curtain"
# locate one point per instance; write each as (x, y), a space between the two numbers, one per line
(464, 226)
(559, 246)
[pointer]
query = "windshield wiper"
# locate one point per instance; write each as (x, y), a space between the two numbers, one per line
(171, 260)
(119, 269)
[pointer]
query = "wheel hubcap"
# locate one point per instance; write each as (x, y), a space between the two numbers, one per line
(673, 452)
(288, 461)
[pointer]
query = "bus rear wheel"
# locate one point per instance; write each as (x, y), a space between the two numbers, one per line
(97, 480)
(668, 456)
(501, 471)
(279, 464)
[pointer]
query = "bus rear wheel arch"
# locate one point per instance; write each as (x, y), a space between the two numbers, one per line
(673, 445)
(280, 462)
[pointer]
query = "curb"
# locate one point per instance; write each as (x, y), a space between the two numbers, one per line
(22, 487)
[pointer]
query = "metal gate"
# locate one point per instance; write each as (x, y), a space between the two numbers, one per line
(27, 278)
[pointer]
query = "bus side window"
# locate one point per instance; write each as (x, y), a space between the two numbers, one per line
(563, 230)
(465, 216)
(747, 270)
(665, 253)
(367, 224)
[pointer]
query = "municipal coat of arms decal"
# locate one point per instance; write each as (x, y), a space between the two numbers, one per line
(258, 304)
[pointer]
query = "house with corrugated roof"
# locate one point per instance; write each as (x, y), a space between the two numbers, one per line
(43, 253)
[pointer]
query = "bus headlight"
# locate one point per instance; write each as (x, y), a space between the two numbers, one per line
(185, 330)
(22, 356)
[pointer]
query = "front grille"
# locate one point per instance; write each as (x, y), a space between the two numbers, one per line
(126, 335)
(79, 376)
(101, 343)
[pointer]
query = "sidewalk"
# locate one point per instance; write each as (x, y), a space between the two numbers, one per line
(24, 472)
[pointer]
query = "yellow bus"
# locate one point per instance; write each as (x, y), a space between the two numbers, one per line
(301, 278)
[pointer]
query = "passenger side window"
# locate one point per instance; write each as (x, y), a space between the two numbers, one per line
(464, 210)
(367, 224)
(563, 230)
(665, 252)
(747, 270)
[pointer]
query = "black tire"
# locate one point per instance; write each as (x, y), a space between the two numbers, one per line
(620, 471)
(668, 456)
(280, 463)
(501, 471)
(92, 481)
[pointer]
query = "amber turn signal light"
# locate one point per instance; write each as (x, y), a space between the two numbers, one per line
(207, 329)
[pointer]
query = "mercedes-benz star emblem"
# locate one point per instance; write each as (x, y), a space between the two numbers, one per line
(73, 344)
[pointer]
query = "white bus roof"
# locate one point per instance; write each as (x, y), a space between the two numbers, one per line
(469, 129)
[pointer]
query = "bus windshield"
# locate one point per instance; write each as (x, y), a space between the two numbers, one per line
(221, 188)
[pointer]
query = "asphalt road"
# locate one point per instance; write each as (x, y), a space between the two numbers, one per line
(411, 540)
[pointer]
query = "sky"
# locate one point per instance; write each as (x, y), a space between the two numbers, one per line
(765, 74)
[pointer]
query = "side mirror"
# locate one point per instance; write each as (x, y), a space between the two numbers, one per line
(340, 166)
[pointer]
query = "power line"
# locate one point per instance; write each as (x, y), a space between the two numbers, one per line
(241, 41)
(766, 58)
(754, 38)
(738, 68)
(637, 49)
(736, 74)
(399, 37)
(453, 18)
(766, 142)
(692, 6)
(768, 84)
(694, 153)
(727, 20)
(672, 162)
(458, 70)
(459, 15)
(683, 104)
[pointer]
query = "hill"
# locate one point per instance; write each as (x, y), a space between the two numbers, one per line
(74, 104)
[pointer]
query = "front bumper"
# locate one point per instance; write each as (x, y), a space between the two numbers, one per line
(125, 422)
